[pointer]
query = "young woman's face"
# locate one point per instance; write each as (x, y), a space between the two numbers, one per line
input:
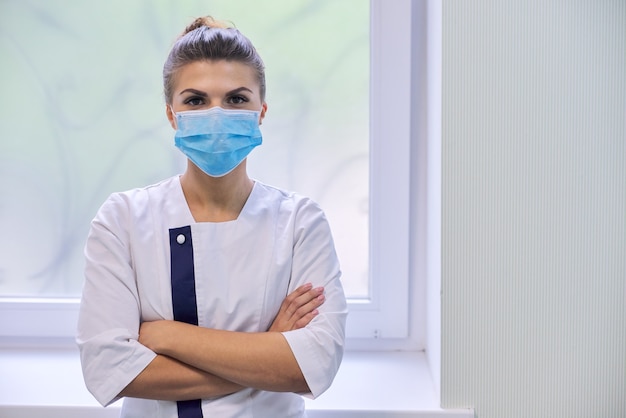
(205, 84)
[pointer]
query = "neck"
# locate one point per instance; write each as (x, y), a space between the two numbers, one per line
(216, 199)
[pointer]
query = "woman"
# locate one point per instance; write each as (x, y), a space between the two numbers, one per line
(209, 293)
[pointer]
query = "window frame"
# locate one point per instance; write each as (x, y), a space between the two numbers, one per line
(383, 316)
(386, 314)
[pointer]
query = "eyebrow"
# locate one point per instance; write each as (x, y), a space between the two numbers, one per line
(193, 91)
(235, 91)
(203, 94)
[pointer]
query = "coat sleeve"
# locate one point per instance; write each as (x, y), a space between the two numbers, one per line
(109, 316)
(318, 347)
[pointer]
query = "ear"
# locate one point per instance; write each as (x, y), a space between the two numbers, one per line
(170, 116)
(263, 110)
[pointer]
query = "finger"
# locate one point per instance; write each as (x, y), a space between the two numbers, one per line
(310, 306)
(306, 297)
(298, 309)
(300, 302)
(305, 320)
(291, 302)
(300, 291)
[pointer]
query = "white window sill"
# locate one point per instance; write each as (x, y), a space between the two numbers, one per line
(48, 383)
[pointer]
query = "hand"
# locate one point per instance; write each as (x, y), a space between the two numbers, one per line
(298, 309)
(155, 334)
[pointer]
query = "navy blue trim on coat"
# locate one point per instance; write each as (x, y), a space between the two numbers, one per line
(184, 302)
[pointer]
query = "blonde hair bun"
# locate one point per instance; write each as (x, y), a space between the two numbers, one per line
(206, 21)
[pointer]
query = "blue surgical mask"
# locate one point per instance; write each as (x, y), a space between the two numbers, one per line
(217, 140)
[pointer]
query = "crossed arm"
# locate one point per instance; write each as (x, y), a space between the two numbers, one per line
(200, 363)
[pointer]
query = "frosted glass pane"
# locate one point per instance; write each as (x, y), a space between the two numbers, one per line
(82, 115)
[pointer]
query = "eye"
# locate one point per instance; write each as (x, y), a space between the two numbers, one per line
(194, 101)
(237, 99)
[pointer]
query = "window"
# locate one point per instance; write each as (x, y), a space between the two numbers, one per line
(73, 135)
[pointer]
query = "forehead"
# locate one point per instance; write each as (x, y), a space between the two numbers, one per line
(216, 75)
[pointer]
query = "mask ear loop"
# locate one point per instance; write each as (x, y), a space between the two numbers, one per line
(173, 120)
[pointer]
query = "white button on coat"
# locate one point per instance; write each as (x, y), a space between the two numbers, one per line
(180, 239)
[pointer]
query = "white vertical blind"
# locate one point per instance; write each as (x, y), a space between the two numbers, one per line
(534, 208)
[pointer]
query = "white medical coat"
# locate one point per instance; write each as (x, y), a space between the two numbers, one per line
(243, 271)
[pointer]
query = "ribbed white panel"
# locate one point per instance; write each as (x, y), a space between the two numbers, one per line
(534, 208)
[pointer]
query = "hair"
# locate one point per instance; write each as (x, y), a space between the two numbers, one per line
(207, 39)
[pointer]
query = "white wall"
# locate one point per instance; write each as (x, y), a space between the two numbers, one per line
(534, 208)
